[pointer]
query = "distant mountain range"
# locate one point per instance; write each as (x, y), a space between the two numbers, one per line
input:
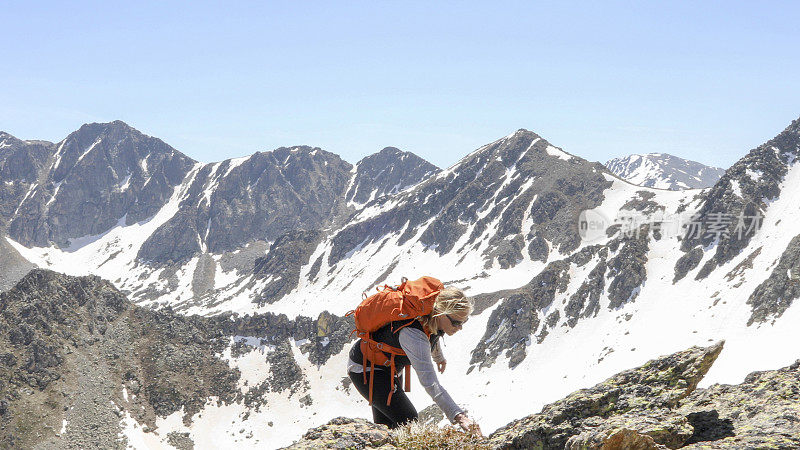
(663, 171)
(275, 247)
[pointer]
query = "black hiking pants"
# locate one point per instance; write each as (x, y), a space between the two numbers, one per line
(399, 411)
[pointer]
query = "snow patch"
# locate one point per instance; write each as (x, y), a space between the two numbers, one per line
(557, 152)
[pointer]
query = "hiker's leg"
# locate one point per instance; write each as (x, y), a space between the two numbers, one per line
(378, 417)
(400, 411)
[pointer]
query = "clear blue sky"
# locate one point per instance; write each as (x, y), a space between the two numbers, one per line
(702, 80)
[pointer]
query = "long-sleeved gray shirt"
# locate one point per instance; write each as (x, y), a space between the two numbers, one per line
(418, 349)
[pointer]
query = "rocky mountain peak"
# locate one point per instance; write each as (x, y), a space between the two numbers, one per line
(518, 147)
(124, 172)
(7, 140)
(390, 150)
(109, 140)
(387, 172)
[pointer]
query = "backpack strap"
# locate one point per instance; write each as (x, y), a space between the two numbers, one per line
(374, 348)
(391, 381)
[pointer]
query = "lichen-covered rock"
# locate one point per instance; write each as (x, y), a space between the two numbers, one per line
(651, 428)
(619, 438)
(660, 384)
(761, 412)
(346, 433)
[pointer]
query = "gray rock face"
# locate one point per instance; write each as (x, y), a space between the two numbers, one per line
(13, 265)
(284, 260)
(628, 267)
(777, 293)
(512, 324)
(108, 174)
(664, 171)
(23, 166)
(68, 344)
(731, 209)
(386, 173)
(618, 269)
(688, 262)
(261, 198)
(85, 185)
(508, 180)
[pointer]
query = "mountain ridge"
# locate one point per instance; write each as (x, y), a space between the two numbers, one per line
(665, 171)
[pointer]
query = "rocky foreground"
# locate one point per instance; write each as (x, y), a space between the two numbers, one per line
(77, 358)
(653, 406)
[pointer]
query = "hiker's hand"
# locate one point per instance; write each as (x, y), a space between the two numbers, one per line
(468, 425)
(442, 365)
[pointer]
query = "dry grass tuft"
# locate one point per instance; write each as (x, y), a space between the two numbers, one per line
(418, 436)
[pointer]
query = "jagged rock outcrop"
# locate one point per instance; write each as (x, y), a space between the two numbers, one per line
(656, 386)
(761, 412)
(343, 432)
(777, 293)
(326, 336)
(23, 166)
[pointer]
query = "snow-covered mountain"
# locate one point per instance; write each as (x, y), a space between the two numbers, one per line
(577, 274)
(663, 171)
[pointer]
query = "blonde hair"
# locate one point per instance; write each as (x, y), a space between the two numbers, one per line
(450, 301)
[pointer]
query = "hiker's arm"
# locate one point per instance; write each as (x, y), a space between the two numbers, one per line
(438, 356)
(418, 349)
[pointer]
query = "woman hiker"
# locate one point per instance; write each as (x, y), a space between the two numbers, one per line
(419, 339)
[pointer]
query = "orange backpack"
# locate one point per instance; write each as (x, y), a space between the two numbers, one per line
(409, 300)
